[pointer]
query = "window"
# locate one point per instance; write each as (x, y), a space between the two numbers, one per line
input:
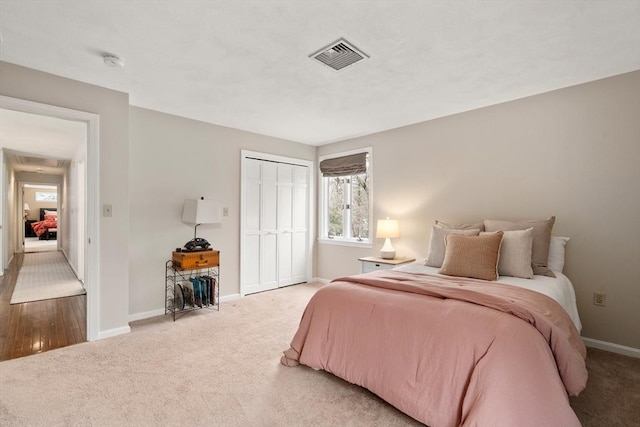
(46, 197)
(346, 197)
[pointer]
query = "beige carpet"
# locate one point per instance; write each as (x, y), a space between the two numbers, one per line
(208, 368)
(45, 275)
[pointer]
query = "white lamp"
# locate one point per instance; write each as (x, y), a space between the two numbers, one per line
(387, 229)
(200, 212)
(26, 210)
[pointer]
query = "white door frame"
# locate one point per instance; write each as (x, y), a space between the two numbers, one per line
(92, 243)
(244, 154)
(3, 213)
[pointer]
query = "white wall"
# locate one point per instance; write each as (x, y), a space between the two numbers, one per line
(573, 153)
(173, 159)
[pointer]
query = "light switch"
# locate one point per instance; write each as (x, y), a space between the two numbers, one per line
(225, 211)
(107, 210)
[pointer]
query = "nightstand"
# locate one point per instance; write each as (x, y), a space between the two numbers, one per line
(372, 263)
(28, 231)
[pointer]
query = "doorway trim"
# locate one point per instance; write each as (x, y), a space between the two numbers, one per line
(92, 188)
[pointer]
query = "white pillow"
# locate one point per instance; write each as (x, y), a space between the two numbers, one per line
(515, 253)
(556, 253)
(435, 256)
(46, 212)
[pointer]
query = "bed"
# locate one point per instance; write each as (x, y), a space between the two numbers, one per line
(451, 350)
(47, 227)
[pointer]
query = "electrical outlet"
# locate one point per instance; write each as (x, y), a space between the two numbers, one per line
(225, 211)
(599, 298)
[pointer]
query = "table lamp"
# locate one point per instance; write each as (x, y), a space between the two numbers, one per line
(200, 212)
(387, 229)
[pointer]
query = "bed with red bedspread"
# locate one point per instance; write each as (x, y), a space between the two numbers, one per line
(48, 223)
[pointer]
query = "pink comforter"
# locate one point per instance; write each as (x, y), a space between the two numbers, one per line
(447, 351)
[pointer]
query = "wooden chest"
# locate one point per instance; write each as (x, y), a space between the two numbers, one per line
(197, 259)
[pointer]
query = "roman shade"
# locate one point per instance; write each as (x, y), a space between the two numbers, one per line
(353, 164)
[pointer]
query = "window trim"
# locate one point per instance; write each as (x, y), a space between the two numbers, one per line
(323, 205)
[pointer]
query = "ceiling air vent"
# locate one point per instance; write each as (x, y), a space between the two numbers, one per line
(339, 54)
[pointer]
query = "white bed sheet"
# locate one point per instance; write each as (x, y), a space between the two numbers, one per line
(559, 288)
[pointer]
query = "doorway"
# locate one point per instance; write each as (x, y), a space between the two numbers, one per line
(87, 240)
(41, 225)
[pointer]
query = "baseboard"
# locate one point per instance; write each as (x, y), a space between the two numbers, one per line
(320, 280)
(231, 297)
(9, 262)
(160, 311)
(613, 348)
(73, 268)
(146, 315)
(114, 332)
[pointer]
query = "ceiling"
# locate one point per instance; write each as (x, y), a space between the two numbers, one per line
(40, 144)
(246, 65)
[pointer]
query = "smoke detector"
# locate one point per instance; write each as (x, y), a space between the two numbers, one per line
(339, 54)
(113, 60)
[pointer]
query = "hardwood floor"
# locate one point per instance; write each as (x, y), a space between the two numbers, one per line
(39, 326)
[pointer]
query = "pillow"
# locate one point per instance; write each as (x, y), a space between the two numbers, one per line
(46, 212)
(435, 256)
(515, 253)
(476, 226)
(541, 239)
(472, 256)
(51, 217)
(556, 253)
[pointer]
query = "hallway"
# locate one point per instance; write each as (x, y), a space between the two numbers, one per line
(36, 327)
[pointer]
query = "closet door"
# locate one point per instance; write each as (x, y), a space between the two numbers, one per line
(300, 203)
(269, 230)
(275, 236)
(252, 236)
(285, 224)
(259, 269)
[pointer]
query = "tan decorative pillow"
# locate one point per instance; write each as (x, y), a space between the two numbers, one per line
(435, 256)
(472, 256)
(541, 239)
(515, 253)
(476, 226)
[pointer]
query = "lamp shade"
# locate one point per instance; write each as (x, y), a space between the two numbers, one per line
(26, 207)
(388, 228)
(201, 212)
